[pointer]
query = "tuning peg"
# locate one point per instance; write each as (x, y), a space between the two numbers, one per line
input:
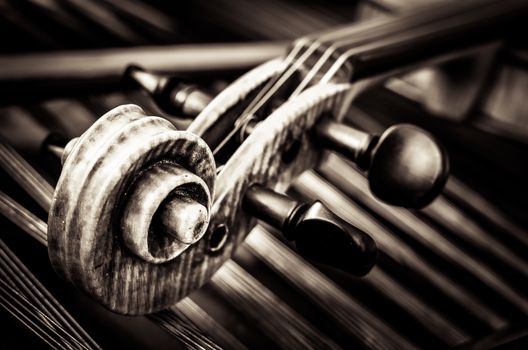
(35, 138)
(405, 164)
(318, 233)
(171, 94)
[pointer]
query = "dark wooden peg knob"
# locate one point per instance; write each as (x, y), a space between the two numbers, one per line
(406, 166)
(171, 94)
(318, 233)
(35, 139)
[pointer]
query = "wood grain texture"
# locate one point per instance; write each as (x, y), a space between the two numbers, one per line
(233, 94)
(84, 235)
(89, 246)
(86, 242)
(167, 210)
(260, 160)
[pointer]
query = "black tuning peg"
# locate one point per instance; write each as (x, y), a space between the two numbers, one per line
(36, 139)
(318, 233)
(172, 95)
(405, 164)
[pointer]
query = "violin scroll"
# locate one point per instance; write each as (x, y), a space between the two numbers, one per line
(134, 195)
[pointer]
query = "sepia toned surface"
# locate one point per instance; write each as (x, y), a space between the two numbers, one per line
(450, 275)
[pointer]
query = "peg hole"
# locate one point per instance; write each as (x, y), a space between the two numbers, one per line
(291, 152)
(218, 239)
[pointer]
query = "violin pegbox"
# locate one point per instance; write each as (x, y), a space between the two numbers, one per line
(133, 200)
(259, 165)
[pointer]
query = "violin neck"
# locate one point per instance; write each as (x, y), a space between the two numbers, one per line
(397, 42)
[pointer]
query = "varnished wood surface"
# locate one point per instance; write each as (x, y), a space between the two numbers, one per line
(446, 277)
(411, 257)
(85, 243)
(235, 93)
(259, 160)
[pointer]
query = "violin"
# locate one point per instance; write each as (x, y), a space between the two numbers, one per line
(143, 213)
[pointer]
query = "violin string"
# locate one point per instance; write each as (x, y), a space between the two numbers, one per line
(442, 17)
(52, 306)
(238, 292)
(19, 217)
(182, 330)
(237, 289)
(312, 186)
(297, 57)
(10, 275)
(273, 85)
(427, 235)
(25, 175)
(193, 313)
(333, 40)
(34, 226)
(37, 229)
(24, 319)
(247, 113)
(293, 64)
(315, 41)
(344, 308)
(334, 44)
(56, 329)
(272, 315)
(23, 281)
(13, 299)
